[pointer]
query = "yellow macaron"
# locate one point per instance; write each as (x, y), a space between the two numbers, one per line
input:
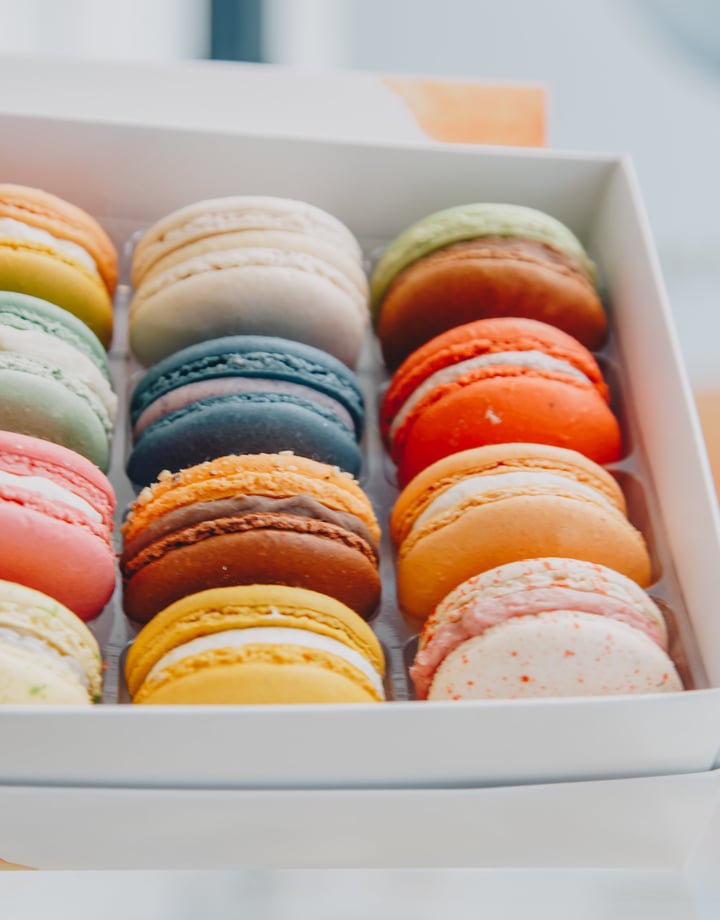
(253, 644)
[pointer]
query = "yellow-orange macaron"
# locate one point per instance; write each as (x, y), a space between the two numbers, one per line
(254, 644)
(484, 507)
(51, 249)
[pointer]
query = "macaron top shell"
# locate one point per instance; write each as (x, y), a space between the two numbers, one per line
(432, 482)
(275, 475)
(63, 220)
(23, 457)
(232, 214)
(466, 222)
(26, 313)
(30, 614)
(248, 607)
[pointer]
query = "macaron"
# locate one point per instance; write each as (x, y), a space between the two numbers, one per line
(54, 377)
(51, 249)
(256, 644)
(493, 381)
(480, 508)
(56, 521)
(48, 655)
(244, 394)
(481, 260)
(248, 265)
(544, 627)
(250, 519)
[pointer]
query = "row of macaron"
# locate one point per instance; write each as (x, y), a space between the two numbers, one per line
(509, 256)
(243, 307)
(294, 523)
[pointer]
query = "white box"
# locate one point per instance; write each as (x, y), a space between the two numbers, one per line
(130, 175)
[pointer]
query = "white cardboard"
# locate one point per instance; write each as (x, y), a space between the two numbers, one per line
(130, 175)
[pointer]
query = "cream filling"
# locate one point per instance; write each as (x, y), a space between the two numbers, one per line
(534, 360)
(17, 230)
(49, 348)
(50, 490)
(270, 635)
(38, 647)
(478, 485)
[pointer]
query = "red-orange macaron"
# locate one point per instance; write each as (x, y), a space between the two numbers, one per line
(496, 381)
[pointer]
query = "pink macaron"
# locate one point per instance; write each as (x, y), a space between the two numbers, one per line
(541, 628)
(56, 520)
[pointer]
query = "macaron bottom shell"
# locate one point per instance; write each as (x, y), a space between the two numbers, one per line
(555, 654)
(260, 674)
(242, 423)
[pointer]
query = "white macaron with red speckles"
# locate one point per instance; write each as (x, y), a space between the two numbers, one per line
(542, 628)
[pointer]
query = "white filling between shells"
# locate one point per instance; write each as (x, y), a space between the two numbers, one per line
(51, 490)
(17, 230)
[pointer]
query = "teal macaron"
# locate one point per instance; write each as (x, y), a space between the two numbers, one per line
(245, 394)
(54, 378)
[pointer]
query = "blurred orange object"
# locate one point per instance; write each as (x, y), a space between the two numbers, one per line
(708, 404)
(10, 866)
(475, 113)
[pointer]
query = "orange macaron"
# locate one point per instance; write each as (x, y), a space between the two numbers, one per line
(497, 380)
(481, 508)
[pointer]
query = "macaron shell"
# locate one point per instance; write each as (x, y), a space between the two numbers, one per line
(498, 458)
(565, 653)
(469, 222)
(63, 220)
(285, 240)
(23, 312)
(62, 558)
(458, 285)
(251, 422)
(274, 475)
(218, 216)
(294, 298)
(44, 404)
(40, 272)
(259, 675)
(27, 678)
(480, 536)
(496, 405)
(269, 549)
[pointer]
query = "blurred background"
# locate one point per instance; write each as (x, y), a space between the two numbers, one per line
(624, 76)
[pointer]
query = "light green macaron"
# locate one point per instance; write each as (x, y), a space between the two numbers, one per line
(467, 222)
(54, 377)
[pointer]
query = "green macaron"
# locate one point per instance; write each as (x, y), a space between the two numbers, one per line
(54, 377)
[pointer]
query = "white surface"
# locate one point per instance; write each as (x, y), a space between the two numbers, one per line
(127, 182)
(647, 823)
(504, 894)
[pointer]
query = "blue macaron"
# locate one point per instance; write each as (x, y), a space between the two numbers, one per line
(244, 394)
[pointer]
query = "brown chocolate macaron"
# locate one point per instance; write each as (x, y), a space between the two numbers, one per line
(483, 260)
(251, 519)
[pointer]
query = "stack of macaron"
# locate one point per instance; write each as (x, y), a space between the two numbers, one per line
(483, 260)
(255, 575)
(495, 381)
(48, 656)
(250, 519)
(248, 265)
(51, 249)
(56, 522)
(256, 644)
(544, 627)
(58, 274)
(244, 394)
